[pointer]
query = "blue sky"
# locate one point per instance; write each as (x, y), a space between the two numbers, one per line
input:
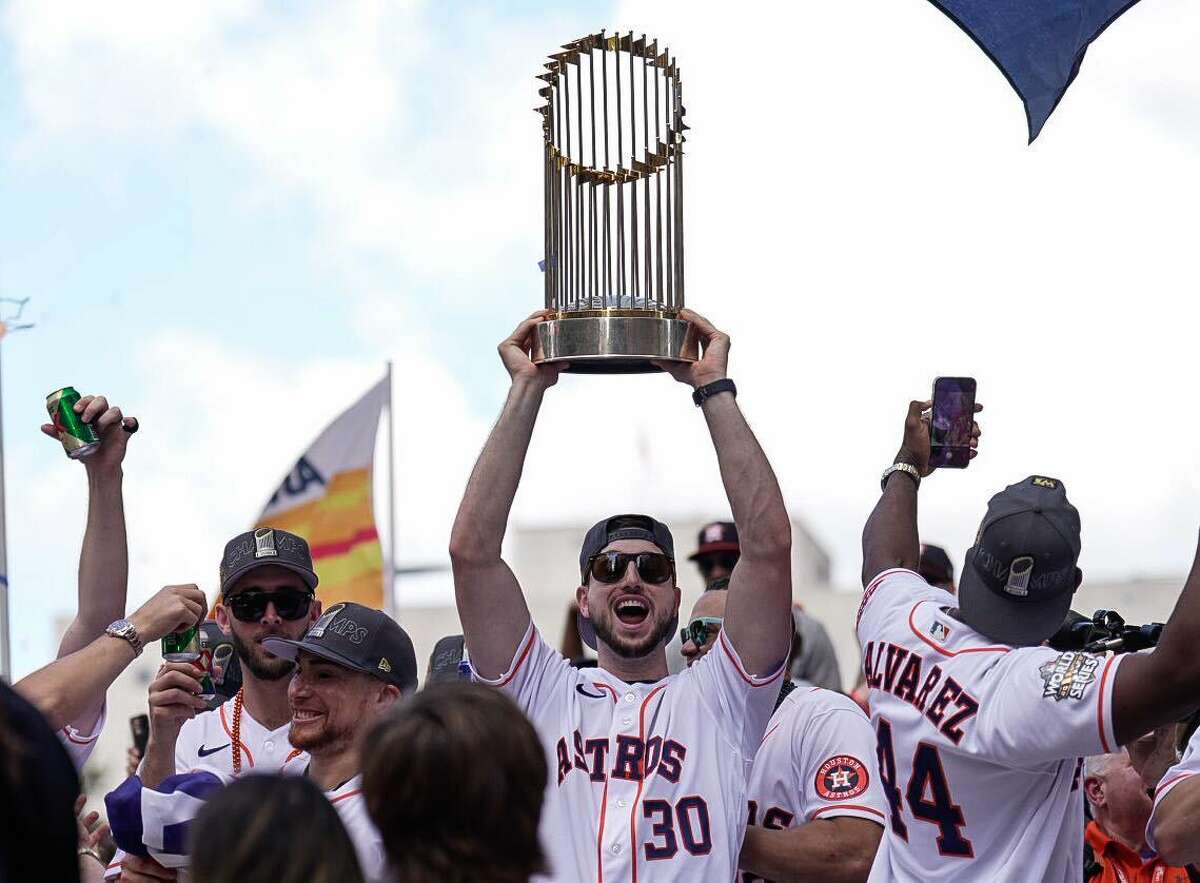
(229, 215)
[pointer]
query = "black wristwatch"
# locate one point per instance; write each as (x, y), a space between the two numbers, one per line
(706, 392)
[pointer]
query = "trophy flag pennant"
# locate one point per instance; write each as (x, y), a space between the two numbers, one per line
(326, 498)
(1037, 44)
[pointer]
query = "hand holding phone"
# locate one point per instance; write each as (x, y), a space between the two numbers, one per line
(139, 727)
(952, 422)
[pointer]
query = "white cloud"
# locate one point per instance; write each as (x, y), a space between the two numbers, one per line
(412, 139)
(220, 427)
(863, 214)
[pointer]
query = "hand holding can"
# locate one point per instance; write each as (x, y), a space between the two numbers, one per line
(78, 439)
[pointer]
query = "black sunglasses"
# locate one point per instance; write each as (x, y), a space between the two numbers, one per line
(724, 560)
(251, 605)
(610, 567)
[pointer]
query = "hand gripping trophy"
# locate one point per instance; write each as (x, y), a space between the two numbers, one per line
(613, 131)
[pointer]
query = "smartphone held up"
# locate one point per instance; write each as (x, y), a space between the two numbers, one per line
(951, 421)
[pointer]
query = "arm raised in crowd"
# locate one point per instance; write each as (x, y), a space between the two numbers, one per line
(838, 850)
(104, 558)
(65, 688)
(1163, 685)
(490, 603)
(890, 538)
(758, 618)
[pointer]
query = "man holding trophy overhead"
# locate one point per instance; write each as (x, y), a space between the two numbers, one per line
(648, 772)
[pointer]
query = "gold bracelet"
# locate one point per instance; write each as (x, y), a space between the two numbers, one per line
(91, 850)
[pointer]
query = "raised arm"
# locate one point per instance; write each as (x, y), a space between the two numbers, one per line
(104, 559)
(62, 690)
(1163, 685)
(890, 538)
(758, 619)
(491, 606)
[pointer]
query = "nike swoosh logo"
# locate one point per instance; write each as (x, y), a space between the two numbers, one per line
(205, 752)
(582, 692)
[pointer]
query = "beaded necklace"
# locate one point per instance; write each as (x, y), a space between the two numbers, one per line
(236, 742)
(237, 733)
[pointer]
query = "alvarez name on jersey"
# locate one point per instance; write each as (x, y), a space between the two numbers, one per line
(979, 744)
(647, 781)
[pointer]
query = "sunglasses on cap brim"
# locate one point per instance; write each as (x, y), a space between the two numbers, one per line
(251, 604)
(711, 560)
(610, 567)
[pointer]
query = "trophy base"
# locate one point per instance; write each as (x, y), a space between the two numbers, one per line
(615, 344)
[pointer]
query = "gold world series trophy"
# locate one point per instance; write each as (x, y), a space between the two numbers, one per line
(613, 139)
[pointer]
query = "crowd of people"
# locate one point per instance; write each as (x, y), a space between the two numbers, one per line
(970, 748)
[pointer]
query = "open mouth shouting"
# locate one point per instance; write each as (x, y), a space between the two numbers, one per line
(631, 610)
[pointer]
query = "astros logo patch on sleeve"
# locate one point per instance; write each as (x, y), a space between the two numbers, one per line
(841, 777)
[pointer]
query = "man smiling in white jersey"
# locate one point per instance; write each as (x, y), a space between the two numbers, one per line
(351, 667)
(648, 773)
(980, 731)
(268, 589)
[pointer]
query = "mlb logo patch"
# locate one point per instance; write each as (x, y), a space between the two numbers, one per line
(940, 631)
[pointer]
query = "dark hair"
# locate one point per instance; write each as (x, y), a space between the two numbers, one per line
(454, 780)
(235, 836)
(38, 787)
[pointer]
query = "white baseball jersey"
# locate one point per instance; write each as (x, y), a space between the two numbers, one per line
(351, 808)
(979, 744)
(647, 781)
(176, 809)
(1188, 766)
(816, 761)
(81, 745)
(207, 741)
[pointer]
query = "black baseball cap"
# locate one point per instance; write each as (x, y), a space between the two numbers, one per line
(935, 566)
(618, 527)
(1020, 575)
(624, 527)
(360, 639)
(262, 546)
(716, 536)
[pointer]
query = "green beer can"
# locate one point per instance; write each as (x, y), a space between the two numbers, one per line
(182, 646)
(79, 439)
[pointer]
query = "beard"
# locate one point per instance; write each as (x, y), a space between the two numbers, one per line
(326, 737)
(259, 663)
(664, 625)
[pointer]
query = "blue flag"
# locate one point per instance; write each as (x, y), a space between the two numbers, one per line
(1037, 44)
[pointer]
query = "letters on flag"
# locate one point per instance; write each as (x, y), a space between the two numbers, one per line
(326, 498)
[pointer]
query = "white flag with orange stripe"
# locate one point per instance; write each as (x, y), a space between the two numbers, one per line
(326, 498)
